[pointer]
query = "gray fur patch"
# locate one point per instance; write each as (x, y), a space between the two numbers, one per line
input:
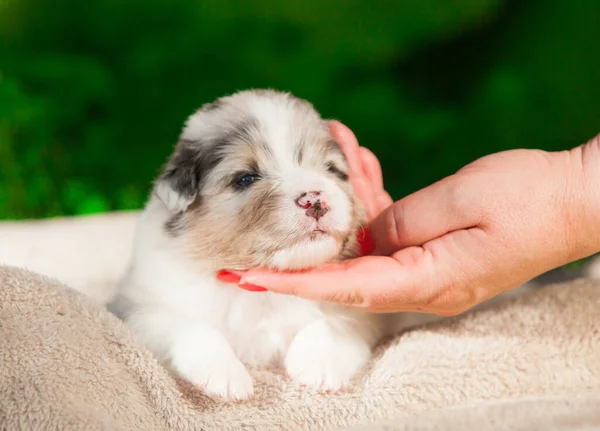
(175, 224)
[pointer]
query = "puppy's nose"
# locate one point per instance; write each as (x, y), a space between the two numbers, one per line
(314, 204)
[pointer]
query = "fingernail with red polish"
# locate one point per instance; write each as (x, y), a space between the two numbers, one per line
(365, 241)
(228, 277)
(251, 287)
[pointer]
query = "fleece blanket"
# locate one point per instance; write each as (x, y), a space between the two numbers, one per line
(89, 254)
(66, 363)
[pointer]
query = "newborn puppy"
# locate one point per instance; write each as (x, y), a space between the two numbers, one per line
(256, 180)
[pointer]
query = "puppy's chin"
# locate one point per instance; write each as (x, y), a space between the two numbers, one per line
(306, 254)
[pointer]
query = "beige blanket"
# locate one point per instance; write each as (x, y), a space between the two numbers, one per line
(66, 363)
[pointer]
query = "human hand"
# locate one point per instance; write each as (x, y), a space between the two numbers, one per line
(493, 225)
(364, 171)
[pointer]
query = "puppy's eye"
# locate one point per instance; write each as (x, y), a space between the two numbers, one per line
(246, 180)
(332, 168)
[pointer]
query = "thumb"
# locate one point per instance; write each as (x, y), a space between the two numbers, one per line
(424, 215)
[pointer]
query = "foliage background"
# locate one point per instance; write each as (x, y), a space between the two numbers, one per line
(94, 93)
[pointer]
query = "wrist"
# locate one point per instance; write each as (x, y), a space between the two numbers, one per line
(582, 203)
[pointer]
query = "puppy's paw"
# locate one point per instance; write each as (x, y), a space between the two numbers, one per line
(219, 378)
(229, 380)
(322, 360)
(213, 367)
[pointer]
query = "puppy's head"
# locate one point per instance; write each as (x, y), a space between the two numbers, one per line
(257, 180)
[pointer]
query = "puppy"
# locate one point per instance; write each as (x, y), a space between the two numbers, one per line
(256, 180)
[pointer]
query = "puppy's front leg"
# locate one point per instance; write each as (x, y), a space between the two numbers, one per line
(203, 356)
(326, 354)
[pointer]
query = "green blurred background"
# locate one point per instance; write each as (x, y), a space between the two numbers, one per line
(94, 93)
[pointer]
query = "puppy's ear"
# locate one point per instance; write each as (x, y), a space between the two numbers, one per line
(179, 184)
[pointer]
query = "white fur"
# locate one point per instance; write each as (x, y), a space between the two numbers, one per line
(305, 254)
(207, 330)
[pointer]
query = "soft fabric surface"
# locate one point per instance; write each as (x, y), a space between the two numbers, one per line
(66, 363)
(563, 413)
(88, 253)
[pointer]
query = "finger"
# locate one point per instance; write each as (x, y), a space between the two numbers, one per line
(384, 200)
(443, 207)
(349, 145)
(348, 283)
(364, 191)
(436, 278)
(372, 170)
(360, 183)
(371, 167)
